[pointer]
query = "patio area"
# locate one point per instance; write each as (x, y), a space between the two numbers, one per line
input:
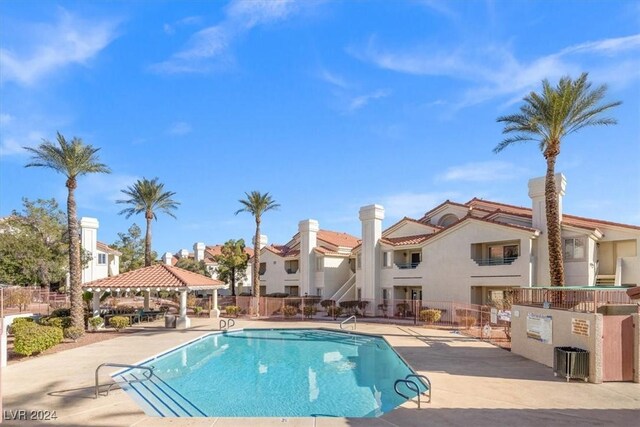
(474, 383)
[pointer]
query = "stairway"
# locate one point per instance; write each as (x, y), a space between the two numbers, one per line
(605, 280)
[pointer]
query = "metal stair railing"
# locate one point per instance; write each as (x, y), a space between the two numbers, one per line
(344, 322)
(148, 373)
(344, 289)
(413, 386)
(226, 324)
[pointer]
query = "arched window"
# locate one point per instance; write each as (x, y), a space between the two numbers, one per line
(447, 220)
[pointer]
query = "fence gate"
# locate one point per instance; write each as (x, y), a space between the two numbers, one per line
(617, 354)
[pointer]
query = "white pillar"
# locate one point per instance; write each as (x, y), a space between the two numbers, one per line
(96, 303)
(371, 218)
(215, 311)
(183, 321)
(308, 230)
(88, 240)
(147, 295)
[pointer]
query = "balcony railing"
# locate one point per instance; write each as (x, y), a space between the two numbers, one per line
(572, 299)
(495, 261)
(291, 270)
(409, 265)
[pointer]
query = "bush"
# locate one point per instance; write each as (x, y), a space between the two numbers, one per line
(277, 295)
(95, 323)
(57, 322)
(119, 322)
(73, 332)
(35, 338)
(430, 315)
(20, 322)
(61, 312)
(467, 321)
(334, 311)
(197, 310)
(289, 310)
(327, 303)
(191, 301)
(232, 310)
(309, 311)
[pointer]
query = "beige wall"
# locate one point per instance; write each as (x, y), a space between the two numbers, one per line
(562, 336)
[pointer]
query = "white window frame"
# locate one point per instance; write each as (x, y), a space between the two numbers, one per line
(320, 264)
(102, 257)
(565, 240)
(387, 259)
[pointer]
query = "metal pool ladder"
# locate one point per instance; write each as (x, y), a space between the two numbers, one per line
(344, 322)
(147, 374)
(226, 324)
(413, 386)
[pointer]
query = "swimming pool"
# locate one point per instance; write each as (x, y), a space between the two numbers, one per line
(269, 373)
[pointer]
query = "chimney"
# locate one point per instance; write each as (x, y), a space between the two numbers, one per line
(183, 253)
(166, 258)
(536, 193)
(88, 241)
(371, 218)
(308, 230)
(262, 243)
(198, 251)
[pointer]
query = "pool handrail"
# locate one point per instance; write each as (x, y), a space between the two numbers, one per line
(226, 324)
(119, 365)
(413, 386)
(344, 322)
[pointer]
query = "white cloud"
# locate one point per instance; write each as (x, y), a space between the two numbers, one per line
(5, 119)
(207, 49)
(494, 71)
(333, 79)
(180, 128)
(100, 191)
(70, 40)
(362, 100)
(413, 204)
(482, 172)
(170, 29)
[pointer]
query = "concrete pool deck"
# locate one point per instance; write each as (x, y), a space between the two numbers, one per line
(474, 383)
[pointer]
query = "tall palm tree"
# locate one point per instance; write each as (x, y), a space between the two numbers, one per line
(257, 204)
(72, 159)
(148, 197)
(546, 118)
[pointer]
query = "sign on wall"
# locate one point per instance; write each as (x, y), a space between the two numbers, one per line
(540, 328)
(580, 327)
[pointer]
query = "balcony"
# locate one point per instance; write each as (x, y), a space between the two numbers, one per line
(495, 261)
(291, 270)
(407, 266)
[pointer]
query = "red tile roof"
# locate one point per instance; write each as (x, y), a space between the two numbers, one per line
(157, 275)
(407, 240)
(106, 249)
(337, 239)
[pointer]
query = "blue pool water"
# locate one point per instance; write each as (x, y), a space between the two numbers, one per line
(269, 373)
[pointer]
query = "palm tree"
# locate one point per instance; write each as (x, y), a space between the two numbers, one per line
(148, 197)
(547, 118)
(72, 159)
(257, 204)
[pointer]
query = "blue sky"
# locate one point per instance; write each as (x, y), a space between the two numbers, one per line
(327, 105)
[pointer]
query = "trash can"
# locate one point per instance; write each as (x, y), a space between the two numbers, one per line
(571, 362)
(170, 321)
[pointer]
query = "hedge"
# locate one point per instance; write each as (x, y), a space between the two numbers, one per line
(35, 338)
(20, 322)
(430, 315)
(289, 310)
(119, 322)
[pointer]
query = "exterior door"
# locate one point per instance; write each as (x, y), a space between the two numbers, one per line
(617, 351)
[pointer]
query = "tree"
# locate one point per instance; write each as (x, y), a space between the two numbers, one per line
(33, 245)
(257, 204)
(148, 197)
(546, 118)
(131, 245)
(232, 263)
(193, 265)
(72, 159)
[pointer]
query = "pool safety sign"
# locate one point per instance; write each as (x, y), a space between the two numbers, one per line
(540, 328)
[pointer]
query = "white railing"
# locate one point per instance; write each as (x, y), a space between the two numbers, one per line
(344, 289)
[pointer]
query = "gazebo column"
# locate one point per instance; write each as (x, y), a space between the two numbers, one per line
(96, 303)
(215, 311)
(183, 322)
(147, 297)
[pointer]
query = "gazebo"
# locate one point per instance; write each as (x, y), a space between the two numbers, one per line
(157, 277)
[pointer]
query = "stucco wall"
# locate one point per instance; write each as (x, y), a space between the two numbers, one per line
(562, 336)
(275, 277)
(336, 272)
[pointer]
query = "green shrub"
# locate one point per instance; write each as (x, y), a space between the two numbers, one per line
(95, 323)
(232, 310)
(35, 338)
(119, 322)
(289, 310)
(467, 321)
(20, 322)
(334, 311)
(430, 315)
(309, 311)
(327, 303)
(57, 322)
(61, 312)
(277, 295)
(73, 332)
(197, 310)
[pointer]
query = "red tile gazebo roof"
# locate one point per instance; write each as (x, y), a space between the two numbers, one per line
(156, 276)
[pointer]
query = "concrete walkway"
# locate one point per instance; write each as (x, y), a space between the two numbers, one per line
(474, 383)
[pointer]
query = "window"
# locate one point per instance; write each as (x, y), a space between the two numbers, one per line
(102, 259)
(359, 294)
(293, 291)
(386, 259)
(319, 264)
(447, 220)
(574, 248)
(359, 261)
(319, 292)
(415, 259)
(385, 296)
(263, 268)
(291, 266)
